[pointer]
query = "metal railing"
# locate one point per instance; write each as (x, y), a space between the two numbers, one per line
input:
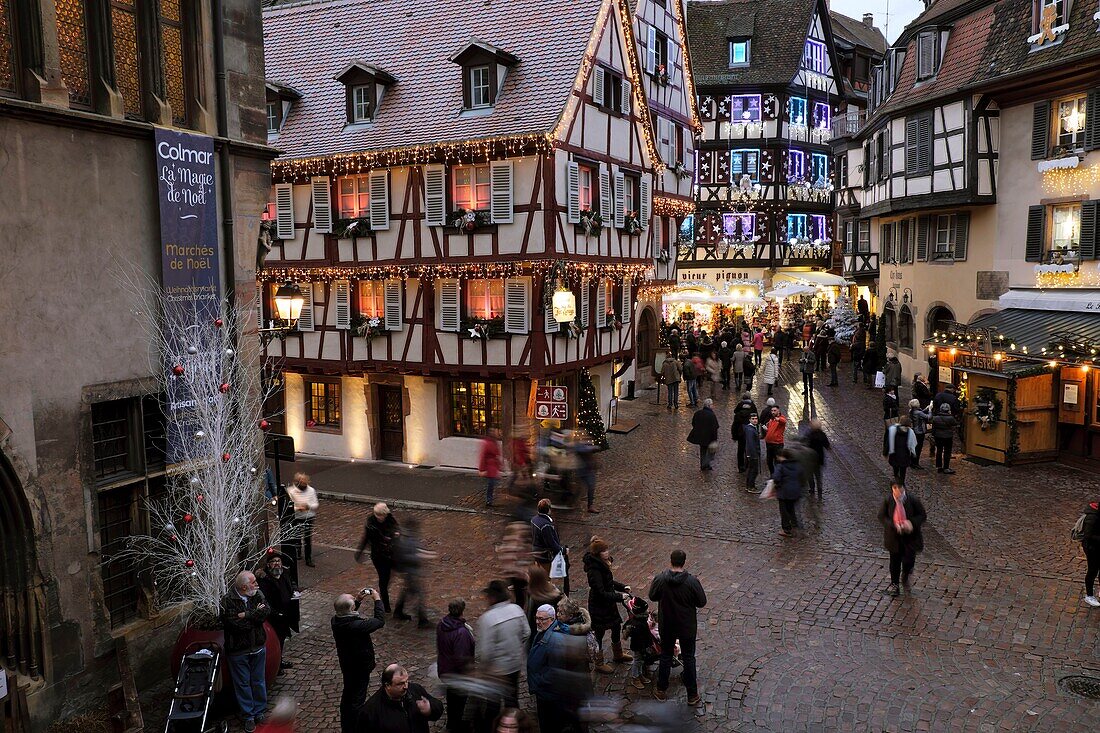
(847, 125)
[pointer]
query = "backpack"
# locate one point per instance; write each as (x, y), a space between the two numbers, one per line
(1082, 528)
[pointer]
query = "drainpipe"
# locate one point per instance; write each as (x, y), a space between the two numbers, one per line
(218, 11)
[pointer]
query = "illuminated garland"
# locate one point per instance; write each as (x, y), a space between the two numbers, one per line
(491, 270)
(1071, 181)
(655, 290)
(664, 206)
(638, 89)
(689, 80)
(480, 150)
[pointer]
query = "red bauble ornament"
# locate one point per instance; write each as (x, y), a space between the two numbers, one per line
(264, 425)
(223, 387)
(225, 456)
(470, 226)
(271, 551)
(188, 518)
(311, 423)
(199, 498)
(174, 538)
(177, 369)
(219, 322)
(189, 563)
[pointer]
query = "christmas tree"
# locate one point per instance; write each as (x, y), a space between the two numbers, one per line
(588, 411)
(843, 320)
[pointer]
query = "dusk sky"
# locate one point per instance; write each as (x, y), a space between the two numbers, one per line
(900, 12)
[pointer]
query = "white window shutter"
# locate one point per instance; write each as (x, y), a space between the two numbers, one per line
(517, 307)
(435, 195)
(601, 304)
(573, 194)
(620, 200)
(500, 191)
(379, 200)
(597, 85)
(305, 319)
(626, 97)
(605, 194)
(651, 50)
(645, 200)
(628, 303)
(449, 314)
(259, 305)
(284, 210)
(394, 305)
(550, 324)
(342, 295)
(585, 288)
(322, 204)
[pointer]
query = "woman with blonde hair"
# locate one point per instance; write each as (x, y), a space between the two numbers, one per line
(304, 497)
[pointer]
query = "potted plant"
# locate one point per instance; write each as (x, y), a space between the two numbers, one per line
(661, 75)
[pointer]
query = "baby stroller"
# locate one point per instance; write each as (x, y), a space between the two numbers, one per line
(197, 683)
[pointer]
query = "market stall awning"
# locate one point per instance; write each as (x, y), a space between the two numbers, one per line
(825, 279)
(1067, 299)
(1036, 328)
(788, 288)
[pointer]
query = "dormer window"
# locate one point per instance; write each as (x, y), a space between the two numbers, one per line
(274, 117)
(364, 87)
(280, 97)
(928, 55)
(739, 52)
(484, 68)
(1049, 21)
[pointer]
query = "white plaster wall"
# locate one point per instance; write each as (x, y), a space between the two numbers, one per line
(353, 440)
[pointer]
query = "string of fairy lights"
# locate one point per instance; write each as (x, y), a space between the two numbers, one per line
(616, 271)
(664, 206)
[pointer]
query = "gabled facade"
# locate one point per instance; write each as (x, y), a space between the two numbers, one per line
(768, 83)
(495, 170)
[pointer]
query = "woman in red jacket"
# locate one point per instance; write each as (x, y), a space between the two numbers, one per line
(488, 464)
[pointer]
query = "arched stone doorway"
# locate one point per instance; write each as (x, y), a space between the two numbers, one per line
(939, 316)
(21, 600)
(647, 339)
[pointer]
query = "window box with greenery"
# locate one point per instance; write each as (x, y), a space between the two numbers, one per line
(352, 227)
(591, 223)
(483, 328)
(367, 327)
(632, 223)
(660, 75)
(614, 321)
(468, 221)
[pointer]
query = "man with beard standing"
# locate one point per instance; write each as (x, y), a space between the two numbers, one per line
(243, 612)
(355, 650)
(282, 595)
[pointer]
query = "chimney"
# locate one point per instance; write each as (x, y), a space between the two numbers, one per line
(869, 20)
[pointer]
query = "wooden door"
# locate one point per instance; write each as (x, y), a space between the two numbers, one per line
(391, 423)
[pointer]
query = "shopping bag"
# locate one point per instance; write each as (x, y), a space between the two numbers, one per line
(769, 490)
(557, 566)
(880, 380)
(712, 448)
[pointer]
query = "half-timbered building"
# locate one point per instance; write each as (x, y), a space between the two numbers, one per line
(768, 82)
(435, 190)
(660, 30)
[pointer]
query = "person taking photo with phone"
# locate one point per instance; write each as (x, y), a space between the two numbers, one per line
(355, 650)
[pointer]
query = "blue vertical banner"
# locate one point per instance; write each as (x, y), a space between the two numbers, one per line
(190, 273)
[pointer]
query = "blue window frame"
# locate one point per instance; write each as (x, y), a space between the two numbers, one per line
(796, 164)
(822, 115)
(819, 172)
(739, 225)
(819, 227)
(739, 52)
(797, 106)
(742, 104)
(744, 161)
(813, 57)
(796, 226)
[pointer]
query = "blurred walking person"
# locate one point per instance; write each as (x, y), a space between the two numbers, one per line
(380, 534)
(409, 560)
(902, 515)
(454, 645)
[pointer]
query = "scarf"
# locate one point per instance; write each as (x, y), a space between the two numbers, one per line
(899, 512)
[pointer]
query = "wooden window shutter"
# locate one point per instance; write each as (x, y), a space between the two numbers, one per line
(1040, 131)
(601, 304)
(517, 307)
(628, 302)
(259, 305)
(379, 200)
(284, 210)
(394, 303)
(573, 193)
(962, 232)
(924, 143)
(651, 50)
(435, 195)
(626, 97)
(322, 204)
(605, 193)
(645, 200)
(620, 200)
(1088, 229)
(911, 134)
(1092, 120)
(449, 305)
(597, 85)
(342, 296)
(586, 289)
(500, 191)
(923, 223)
(1036, 223)
(549, 323)
(305, 319)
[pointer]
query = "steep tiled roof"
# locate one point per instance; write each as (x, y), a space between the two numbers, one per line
(1008, 53)
(308, 44)
(857, 33)
(962, 60)
(778, 32)
(940, 10)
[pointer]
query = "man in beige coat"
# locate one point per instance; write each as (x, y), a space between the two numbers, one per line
(670, 373)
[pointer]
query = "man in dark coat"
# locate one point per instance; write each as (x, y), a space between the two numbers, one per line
(281, 593)
(379, 534)
(833, 356)
(788, 479)
(750, 444)
(821, 349)
(725, 355)
(243, 612)
(863, 309)
(355, 650)
(902, 516)
(399, 706)
(944, 425)
(779, 343)
(679, 594)
(704, 431)
(745, 408)
(947, 395)
(859, 348)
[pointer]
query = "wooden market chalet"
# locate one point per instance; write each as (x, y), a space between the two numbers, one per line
(436, 188)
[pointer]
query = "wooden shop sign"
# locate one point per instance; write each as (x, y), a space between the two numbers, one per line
(976, 361)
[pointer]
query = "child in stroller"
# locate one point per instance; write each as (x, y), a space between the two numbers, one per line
(640, 628)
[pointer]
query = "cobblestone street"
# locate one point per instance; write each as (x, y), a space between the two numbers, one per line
(797, 634)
